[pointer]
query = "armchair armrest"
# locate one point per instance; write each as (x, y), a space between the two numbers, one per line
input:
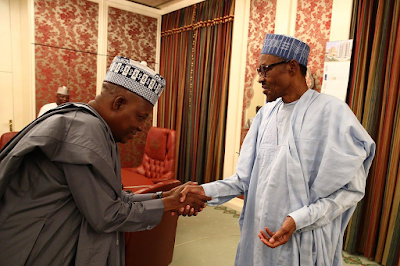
(156, 246)
(161, 186)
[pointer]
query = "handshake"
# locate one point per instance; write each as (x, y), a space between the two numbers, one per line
(187, 199)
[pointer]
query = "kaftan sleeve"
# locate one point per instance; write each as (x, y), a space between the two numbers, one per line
(324, 210)
(101, 206)
(127, 197)
(224, 190)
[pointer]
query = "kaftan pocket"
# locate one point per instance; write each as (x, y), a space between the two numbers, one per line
(266, 156)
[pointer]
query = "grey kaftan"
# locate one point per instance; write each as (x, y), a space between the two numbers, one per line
(61, 201)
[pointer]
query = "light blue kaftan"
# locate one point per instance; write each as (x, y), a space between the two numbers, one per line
(316, 176)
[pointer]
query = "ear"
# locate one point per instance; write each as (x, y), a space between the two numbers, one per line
(118, 102)
(293, 67)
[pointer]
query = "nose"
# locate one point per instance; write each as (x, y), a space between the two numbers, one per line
(140, 128)
(261, 78)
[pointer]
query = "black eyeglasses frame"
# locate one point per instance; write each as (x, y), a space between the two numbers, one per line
(262, 69)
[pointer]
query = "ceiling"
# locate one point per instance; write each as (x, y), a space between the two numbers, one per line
(163, 7)
(158, 4)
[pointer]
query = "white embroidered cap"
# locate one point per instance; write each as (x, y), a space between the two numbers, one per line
(63, 90)
(136, 77)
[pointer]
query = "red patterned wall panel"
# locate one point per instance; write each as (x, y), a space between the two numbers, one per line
(135, 36)
(313, 26)
(131, 35)
(58, 67)
(261, 22)
(66, 46)
(51, 73)
(82, 76)
(70, 24)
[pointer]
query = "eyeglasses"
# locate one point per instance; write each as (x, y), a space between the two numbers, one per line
(263, 70)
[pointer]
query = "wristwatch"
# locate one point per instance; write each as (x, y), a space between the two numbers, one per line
(158, 194)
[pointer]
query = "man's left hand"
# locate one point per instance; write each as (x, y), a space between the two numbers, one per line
(281, 236)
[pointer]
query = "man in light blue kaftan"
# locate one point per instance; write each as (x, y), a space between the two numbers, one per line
(302, 167)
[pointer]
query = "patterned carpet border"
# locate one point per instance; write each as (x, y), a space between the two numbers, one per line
(349, 259)
(226, 210)
(354, 260)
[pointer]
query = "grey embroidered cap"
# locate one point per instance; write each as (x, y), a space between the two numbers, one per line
(136, 77)
(286, 47)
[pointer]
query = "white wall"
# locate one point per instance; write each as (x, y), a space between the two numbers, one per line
(341, 20)
(236, 85)
(6, 74)
(15, 64)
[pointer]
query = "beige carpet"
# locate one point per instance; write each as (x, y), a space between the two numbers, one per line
(211, 239)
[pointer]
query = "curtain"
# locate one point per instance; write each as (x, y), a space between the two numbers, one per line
(195, 61)
(373, 95)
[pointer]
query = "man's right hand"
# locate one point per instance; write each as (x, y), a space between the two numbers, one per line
(196, 189)
(175, 201)
(190, 188)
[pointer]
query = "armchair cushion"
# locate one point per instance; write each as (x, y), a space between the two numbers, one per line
(161, 186)
(6, 137)
(156, 143)
(159, 156)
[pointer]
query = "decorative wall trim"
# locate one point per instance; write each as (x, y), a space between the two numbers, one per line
(200, 24)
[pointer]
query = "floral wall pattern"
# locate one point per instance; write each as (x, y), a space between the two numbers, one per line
(70, 24)
(261, 22)
(66, 43)
(58, 67)
(313, 25)
(65, 49)
(134, 36)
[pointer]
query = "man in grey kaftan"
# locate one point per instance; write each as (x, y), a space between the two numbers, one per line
(302, 167)
(61, 201)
